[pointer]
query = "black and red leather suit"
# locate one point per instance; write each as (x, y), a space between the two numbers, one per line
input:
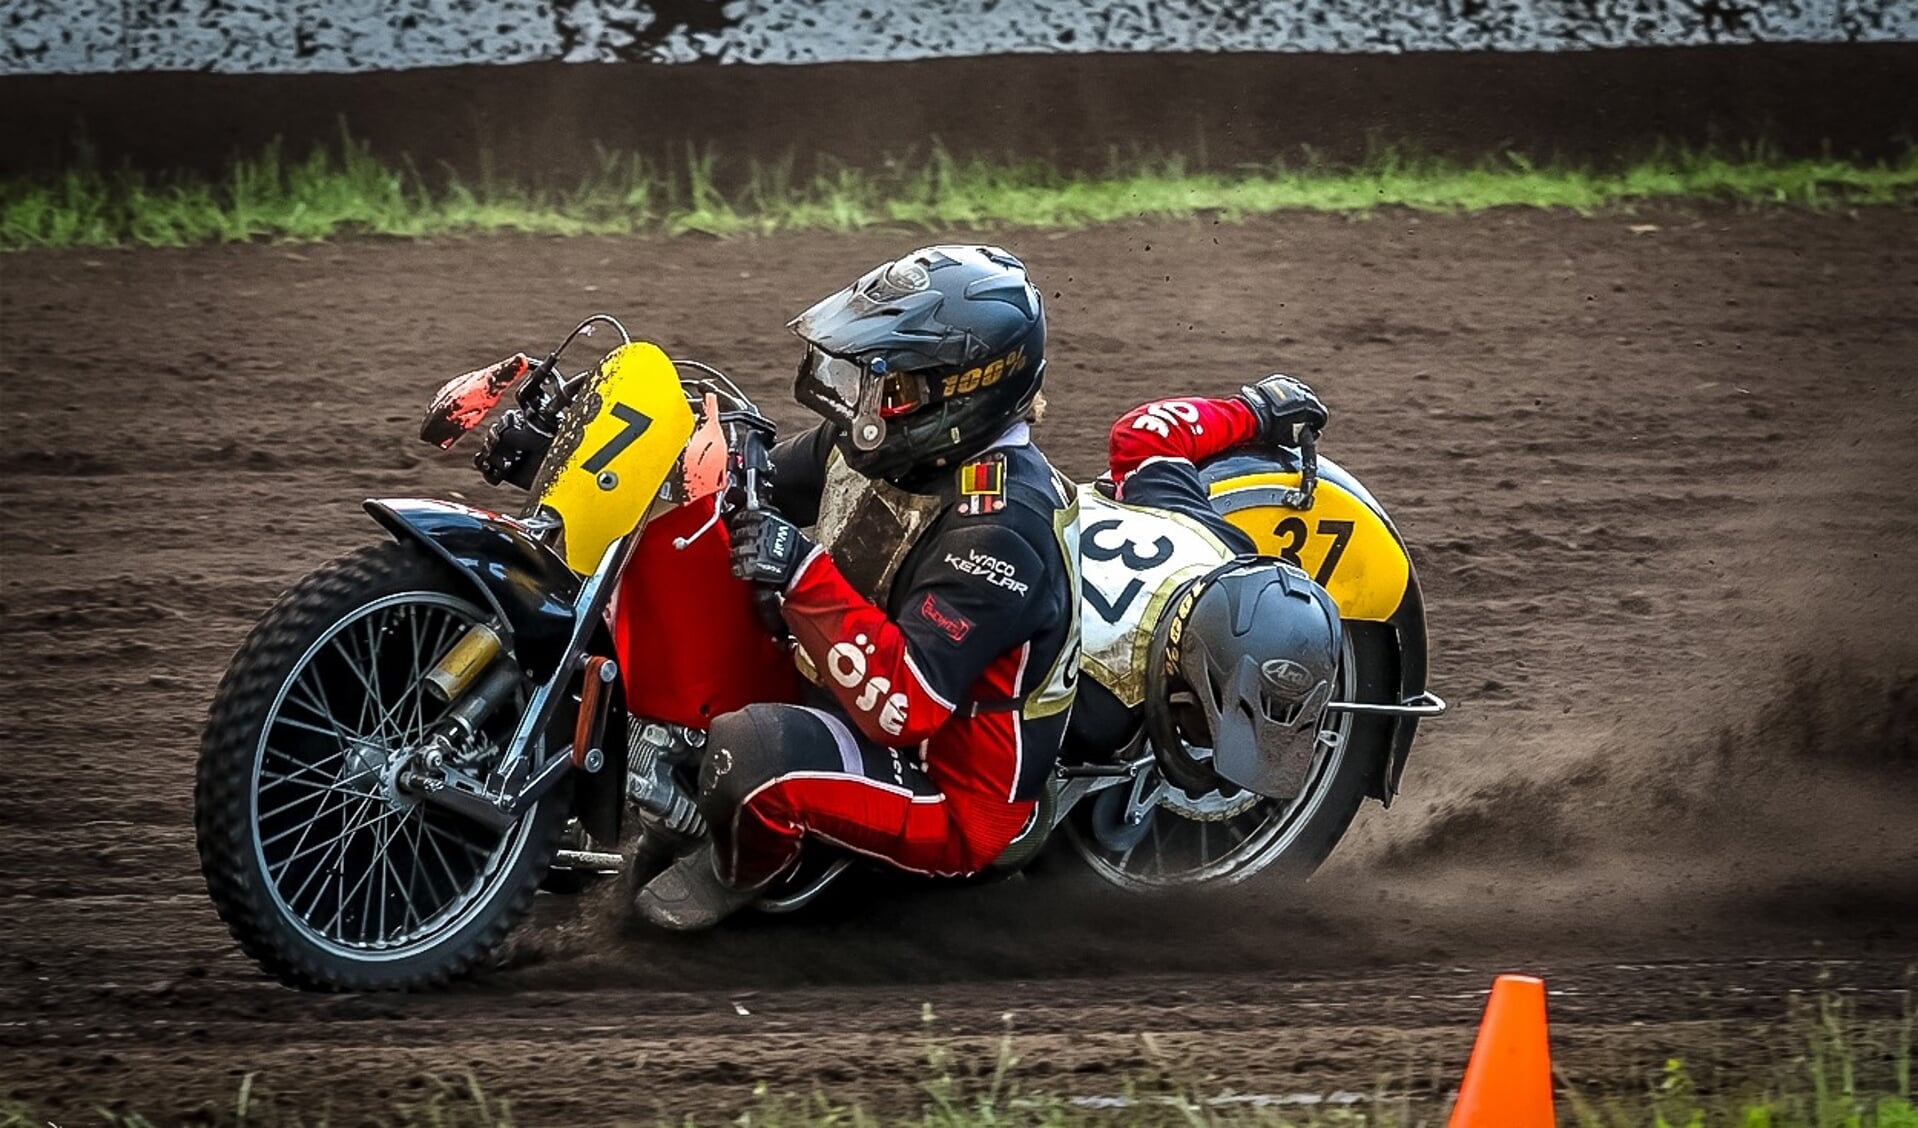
(943, 698)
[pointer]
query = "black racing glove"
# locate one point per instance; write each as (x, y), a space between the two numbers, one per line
(513, 450)
(1283, 405)
(767, 548)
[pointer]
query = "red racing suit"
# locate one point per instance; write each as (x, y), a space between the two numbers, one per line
(944, 687)
(1189, 430)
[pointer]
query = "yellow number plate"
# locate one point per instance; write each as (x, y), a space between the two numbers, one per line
(628, 427)
(1340, 542)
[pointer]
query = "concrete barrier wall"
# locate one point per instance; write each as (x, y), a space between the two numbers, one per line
(320, 36)
(551, 120)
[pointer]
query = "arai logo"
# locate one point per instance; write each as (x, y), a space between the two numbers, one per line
(1287, 676)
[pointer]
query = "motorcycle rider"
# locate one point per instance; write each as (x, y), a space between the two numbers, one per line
(1170, 636)
(935, 605)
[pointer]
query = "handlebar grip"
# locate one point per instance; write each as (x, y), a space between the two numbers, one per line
(1301, 498)
(1308, 461)
(755, 468)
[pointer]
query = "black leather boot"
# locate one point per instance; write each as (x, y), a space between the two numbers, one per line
(689, 895)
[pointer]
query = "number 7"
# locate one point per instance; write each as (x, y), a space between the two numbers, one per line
(636, 424)
(1341, 534)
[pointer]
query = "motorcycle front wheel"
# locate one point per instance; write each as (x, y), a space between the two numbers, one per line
(329, 873)
(1216, 839)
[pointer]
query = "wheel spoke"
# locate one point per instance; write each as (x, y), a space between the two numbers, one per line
(457, 840)
(375, 682)
(300, 695)
(390, 877)
(346, 645)
(339, 865)
(341, 732)
(415, 689)
(299, 852)
(348, 866)
(444, 640)
(319, 792)
(320, 866)
(371, 870)
(414, 872)
(382, 840)
(319, 770)
(330, 733)
(340, 788)
(446, 866)
(299, 849)
(416, 730)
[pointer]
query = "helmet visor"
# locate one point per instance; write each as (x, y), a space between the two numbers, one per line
(859, 396)
(837, 382)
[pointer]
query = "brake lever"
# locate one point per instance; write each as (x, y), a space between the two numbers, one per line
(749, 431)
(681, 544)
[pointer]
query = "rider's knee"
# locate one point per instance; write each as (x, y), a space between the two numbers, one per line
(748, 748)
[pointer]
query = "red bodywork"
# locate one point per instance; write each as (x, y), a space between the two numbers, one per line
(689, 641)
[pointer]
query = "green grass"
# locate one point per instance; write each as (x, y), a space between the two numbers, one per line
(1850, 1073)
(349, 191)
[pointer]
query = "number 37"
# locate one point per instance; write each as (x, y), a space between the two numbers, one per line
(1293, 534)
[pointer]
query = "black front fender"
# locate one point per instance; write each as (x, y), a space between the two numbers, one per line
(529, 589)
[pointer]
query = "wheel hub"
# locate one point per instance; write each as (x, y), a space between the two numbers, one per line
(366, 767)
(398, 767)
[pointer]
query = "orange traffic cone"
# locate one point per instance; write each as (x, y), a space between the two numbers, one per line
(1509, 1081)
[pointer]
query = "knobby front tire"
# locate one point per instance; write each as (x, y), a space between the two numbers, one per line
(330, 876)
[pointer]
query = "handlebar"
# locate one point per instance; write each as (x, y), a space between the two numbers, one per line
(754, 485)
(1301, 498)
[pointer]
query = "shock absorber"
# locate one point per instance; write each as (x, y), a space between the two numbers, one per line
(652, 750)
(465, 662)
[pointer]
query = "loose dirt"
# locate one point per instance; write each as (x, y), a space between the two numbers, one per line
(1657, 471)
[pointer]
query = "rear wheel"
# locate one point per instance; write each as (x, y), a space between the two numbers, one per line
(330, 874)
(1148, 834)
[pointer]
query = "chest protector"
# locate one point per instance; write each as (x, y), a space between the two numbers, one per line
(1134, 560)
(860, 516)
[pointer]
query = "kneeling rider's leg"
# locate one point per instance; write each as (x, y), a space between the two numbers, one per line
(776, 773)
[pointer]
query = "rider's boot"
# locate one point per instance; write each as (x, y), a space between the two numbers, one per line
(690, 895)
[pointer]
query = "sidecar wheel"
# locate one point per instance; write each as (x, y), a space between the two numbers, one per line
(329, 875)
(1224, 840)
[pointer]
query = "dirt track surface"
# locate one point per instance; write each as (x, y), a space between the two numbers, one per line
(1658, 472)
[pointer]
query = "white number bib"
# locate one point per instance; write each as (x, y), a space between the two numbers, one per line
(1133, 559)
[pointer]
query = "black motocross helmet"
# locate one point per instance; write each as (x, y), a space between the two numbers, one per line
(1244, 665)
(923, 362)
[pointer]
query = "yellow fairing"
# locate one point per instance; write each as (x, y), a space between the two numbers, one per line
(624, 433)
(1340, 542)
